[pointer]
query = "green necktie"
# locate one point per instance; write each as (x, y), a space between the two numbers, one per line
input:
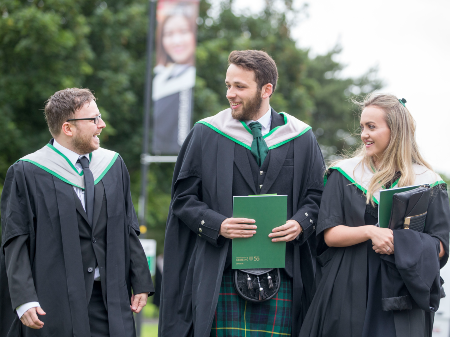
(259, 147)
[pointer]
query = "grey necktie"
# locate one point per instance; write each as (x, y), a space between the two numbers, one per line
(88, 188)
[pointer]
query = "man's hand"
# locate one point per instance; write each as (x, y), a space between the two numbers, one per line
(238, 228)
(138, 302)
(287, 232)
(31, 319)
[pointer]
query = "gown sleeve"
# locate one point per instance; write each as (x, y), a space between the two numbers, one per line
(17, 227)
(141, 280)
(188, 207)
(308, 210)
(437, 223)
(130, 213)
(20, 279)
(331, 211)
(187, 200)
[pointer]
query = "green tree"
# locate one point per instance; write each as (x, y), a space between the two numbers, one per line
(47, 45)
(446, 179)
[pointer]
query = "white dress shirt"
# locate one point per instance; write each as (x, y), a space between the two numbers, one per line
(73, 158)
(265, 122)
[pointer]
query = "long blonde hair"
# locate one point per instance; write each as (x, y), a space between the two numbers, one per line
(402, 151)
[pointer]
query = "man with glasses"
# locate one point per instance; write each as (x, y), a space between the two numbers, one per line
(70, 252)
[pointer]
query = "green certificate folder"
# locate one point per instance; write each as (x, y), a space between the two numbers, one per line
(385, 206)
(259, 252)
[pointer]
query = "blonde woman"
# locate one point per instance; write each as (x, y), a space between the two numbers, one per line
(373, 281)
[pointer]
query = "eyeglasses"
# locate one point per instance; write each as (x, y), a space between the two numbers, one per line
(94, 119)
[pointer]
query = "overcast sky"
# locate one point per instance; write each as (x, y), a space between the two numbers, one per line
(409, 40)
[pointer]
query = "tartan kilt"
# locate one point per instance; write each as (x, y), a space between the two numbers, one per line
(237, 317)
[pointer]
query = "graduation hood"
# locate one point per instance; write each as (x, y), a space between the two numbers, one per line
(237, 131)
(54, 162)
(360, 175)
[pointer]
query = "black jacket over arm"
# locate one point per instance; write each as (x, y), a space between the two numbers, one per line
(411, 276)
(195, 254)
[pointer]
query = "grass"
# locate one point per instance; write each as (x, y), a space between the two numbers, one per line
(150, 311)
(149, 330)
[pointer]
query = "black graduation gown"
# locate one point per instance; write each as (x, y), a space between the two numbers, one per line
(339, 307)
(194, 254)
(39, 205)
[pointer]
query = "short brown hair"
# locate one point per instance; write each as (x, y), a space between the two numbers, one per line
(62, 106)
(260, 62)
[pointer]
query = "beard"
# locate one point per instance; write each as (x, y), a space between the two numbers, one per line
(83, 144)
(249, 109)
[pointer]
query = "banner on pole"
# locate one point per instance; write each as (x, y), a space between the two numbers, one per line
(174, 78)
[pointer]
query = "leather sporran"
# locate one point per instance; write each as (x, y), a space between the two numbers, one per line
(257, 285)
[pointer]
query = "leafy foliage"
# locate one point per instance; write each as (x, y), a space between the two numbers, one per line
(48, 45)
(446, 179)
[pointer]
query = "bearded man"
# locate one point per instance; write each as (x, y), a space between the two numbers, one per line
(247, 149)
(70, 254)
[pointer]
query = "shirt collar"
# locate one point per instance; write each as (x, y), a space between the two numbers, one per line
(72, 156)
(265, 120)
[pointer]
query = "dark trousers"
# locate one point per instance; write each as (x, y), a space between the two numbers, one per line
(98, 316)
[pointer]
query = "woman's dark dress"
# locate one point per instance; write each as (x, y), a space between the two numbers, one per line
(374, 312)
(348, 296)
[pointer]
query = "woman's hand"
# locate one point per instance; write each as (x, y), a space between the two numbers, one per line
(382, 240)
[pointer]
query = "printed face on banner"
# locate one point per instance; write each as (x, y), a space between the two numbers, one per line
(174, 74)
(178, 39)
(176, 32)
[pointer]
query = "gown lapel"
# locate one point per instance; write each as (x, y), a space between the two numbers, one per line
(225, 175)
(98, 199)
(72, 257)
(79, 207)
(277, 157)
(243, 164)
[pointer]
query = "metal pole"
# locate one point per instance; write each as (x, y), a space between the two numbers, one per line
(147, 110)
(147, 113)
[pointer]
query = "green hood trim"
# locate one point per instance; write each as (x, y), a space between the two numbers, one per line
(57, 164)
(438, 183)
(289, 139)
(270, 132)
(348, 167)
(223, 134)
(240, 133)
(50, 172)
(113, 160)
(360, 187)
(65, 157)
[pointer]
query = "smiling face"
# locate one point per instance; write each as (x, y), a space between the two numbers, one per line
(178, 39)
(243, 94)
(85, 132)
(375, 132)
